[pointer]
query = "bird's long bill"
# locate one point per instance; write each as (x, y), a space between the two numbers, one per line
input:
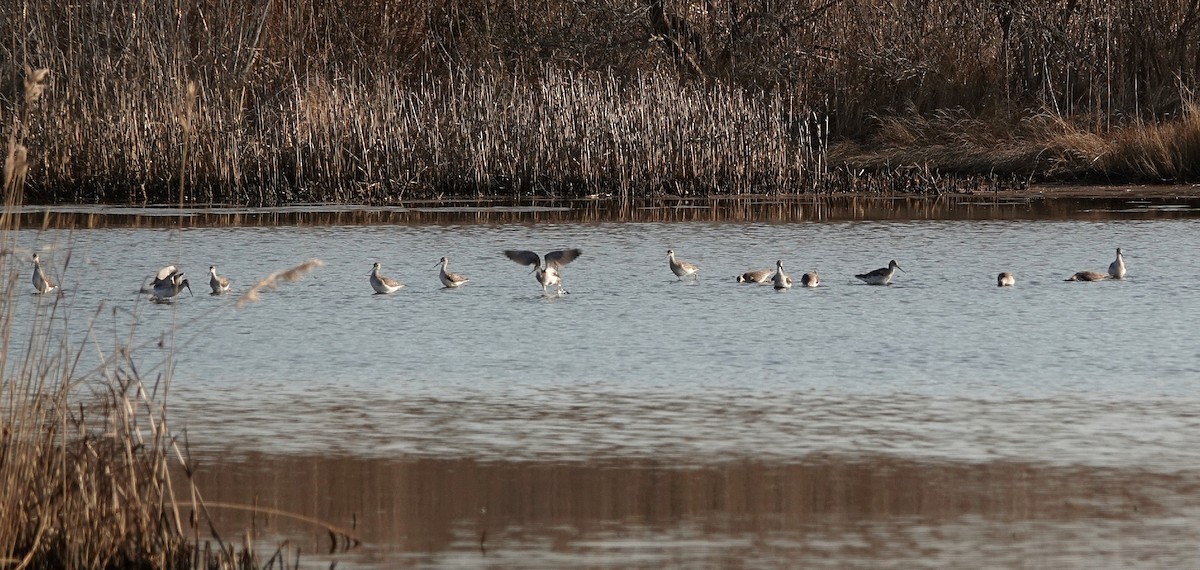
(189, 288)
(535, 268)
(900, 268)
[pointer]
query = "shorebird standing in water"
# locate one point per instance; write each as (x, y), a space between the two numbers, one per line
(219, 284)
(1005, 279)
(1087, 276)
(781, 279)
(547, 275)
(810, 279)
(755, 276)
(41, 283)
(165, 287)
(682, 269)
(383, 285)
(882, 276)
(1116, 269)
(450, 280)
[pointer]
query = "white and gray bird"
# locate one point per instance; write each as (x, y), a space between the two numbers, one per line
(810, 279)
(383, 285)
(547, 274)
(168, 285)
(1087, 276)
(41, 283)
(1116, 269)
(1005, 279)
(882, 276)
(755, 276)
(681, 269)
(450, 280)
(218, 284)
(780, 279)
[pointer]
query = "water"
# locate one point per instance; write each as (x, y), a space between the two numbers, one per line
(596, 403)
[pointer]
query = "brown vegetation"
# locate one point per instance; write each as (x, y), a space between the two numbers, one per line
(300, 100)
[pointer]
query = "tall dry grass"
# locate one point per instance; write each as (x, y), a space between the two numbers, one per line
(86, 455)
(302, 100)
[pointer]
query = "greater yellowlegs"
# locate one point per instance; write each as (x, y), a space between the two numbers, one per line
(1005, 279)
(881, 276)
(219, 284)
(781, 279)
(1116, 269)
(546, 274)
(381, 284)
(169, 286)
(1087, 276)
(450, 280)
(41, 283)
(755, 276)
(681, 269)
(810, 279)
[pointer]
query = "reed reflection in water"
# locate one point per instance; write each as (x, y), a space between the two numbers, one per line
(795, 208)
(821, 511)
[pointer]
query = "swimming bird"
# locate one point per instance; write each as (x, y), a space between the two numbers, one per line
(381, 284)
(781, 279)
(1087, 276)
(881, 276)
(547, 274)
(755, 276)
(450, 280)
(810, 279)
(219, 284)
(1116, 269)
(169, 285)
(681, 269)
(1005, 279)
(41, 283)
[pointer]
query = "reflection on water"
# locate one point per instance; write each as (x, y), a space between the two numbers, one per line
(818, 511)
(715, 209)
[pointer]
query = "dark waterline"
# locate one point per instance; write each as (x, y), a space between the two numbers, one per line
(720, 209)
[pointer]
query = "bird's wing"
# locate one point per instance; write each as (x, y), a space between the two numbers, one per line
(524, 257)
(164, 273)
(562, 257)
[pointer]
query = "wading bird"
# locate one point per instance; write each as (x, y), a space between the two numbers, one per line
(781, 279)
(168, 286)
(1116, 269)
(881, 276)
(810, 279)
(755, 276)
(1005, 279)
(681, 269)
(548, 274)
(383, 285)
(41, 283)
(450, 280)
(1087, 276)
(219, 284)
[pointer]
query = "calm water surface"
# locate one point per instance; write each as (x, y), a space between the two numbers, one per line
(645, 421)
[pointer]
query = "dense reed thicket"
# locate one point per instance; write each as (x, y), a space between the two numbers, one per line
(305, 100)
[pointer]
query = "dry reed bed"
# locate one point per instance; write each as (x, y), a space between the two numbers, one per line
(86, 455)
(384, 100)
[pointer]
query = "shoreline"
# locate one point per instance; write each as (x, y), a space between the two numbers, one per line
(1040, 201)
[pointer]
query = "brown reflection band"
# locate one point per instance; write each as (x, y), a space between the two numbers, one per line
(733, 209)
(430, 505)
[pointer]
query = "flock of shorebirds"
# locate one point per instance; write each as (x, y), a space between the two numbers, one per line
(170, 281)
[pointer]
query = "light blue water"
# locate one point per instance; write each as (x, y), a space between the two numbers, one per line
(635, 363)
